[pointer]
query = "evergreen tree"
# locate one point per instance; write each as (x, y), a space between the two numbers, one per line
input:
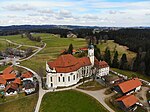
(136, 62)
(115, 62)
(147, 63)
(107, 56)
(123, 62)
(97, 53)
(70, 49)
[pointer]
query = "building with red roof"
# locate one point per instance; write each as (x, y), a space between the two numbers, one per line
(129, 86)
(11, 89)
(84, 49)
(8, 70)
(126, 102)
(27, 76)
(9, 77)
(17, 81)
(67, 70)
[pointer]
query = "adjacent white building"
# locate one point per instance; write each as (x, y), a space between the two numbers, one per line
(67, 70)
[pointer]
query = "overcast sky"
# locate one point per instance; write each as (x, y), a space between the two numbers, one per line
(75, 12)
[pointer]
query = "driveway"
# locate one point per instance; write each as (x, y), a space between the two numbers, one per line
(141, 95)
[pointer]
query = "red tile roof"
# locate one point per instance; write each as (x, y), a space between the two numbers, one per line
(96, 62)
(9, 76)
(103, 64)
(84, 61)
(84, 48)
(17, 81)
(12, 85)
(8, 70)
(27, 75)
(68, 63)
(74, 50)
(128, 100)
(100, 64)
(129, 85)
(2, 80)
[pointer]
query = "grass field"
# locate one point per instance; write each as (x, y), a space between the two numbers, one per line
(70, 101)
(131, 74)
(18, 39)
(91, 85)
(4, 44)
(114, 46)
(26, 104)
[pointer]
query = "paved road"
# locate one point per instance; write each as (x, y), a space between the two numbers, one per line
(99, 95)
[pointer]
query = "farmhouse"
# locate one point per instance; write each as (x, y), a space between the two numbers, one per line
(27, 76)
(67, 70)
(11, 89)
(129, 86)
(127, 102)
(8, 70)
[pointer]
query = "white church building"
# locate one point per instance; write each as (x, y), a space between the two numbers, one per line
(67, 70)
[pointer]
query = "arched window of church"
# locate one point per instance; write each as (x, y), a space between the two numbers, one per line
(58, 79)
(63, 79)
(74, 77)
(68, 78)
(51, 79)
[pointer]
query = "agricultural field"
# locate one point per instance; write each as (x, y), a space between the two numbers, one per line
(114, 46)
(70, 101)
(25, 104)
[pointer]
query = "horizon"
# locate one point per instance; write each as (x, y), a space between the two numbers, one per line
(72, 25)
(100, 13)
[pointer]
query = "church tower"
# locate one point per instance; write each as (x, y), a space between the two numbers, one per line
(91, 53)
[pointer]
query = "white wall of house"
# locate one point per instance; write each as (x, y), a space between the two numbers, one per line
(2, 86)
(11, 93)
(138, 88)
(28, 91)
(31, 78)
(103, 72)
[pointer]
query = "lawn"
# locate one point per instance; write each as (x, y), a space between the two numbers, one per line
(26, 104)
(131, 74)
(3, 67)
(91, 85)
(114, 46)
(70, 101)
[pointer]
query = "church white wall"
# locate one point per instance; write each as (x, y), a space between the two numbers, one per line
(55, 80)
